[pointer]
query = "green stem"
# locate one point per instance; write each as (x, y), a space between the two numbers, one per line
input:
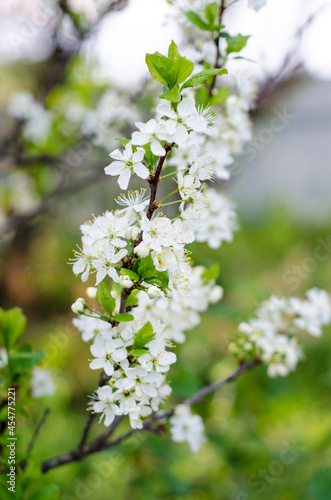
(171, 203)
(168, 196)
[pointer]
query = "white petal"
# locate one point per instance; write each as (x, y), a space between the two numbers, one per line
(115, 168)
(140, 170)
(124, 178)
(157, 149)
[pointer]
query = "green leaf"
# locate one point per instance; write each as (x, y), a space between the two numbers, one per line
(202, 77)
(123, 317)
(132, 275)
(212, 273)
(46, 492)
(211, 13)
(105, 299)
(220, 96)
(135, 352)
(23, 359)
(197, 21)
(160, 279)
(145, 268)
(236, 43)
(143, 336)
(158, 66)
(170, 70)
(172, 95)
(12, 326)
(123, 141)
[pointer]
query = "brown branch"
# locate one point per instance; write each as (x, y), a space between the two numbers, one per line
(102, 443)
(153, 182)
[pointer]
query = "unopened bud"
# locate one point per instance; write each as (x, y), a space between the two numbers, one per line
(142, 250)
(78, 306)
(91, 292)
(125, 282)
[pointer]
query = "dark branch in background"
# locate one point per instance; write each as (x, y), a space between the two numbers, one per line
(37, 431)
(15, 221)
(217, 63)
(101, 443)
(274, 83)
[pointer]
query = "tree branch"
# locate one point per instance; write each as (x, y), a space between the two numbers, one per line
(102, 443)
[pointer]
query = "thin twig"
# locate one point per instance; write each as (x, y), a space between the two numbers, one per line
(37, 431)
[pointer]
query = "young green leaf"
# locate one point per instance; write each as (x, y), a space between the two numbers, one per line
(12, 326)
(132, 275)
(105, 299)
(123, 141)
(172, 95)
(143, 336)
(236, 43)
(197, 21)
(123, 318)
(145, 268)
(211, 13)
(202, 77)
(157, 62)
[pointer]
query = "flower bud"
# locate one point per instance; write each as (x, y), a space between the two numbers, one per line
(125, 282)
(153, 292)
(131, 233)
(142, 250)
(91, 292)
(78, 306)
(215, 294)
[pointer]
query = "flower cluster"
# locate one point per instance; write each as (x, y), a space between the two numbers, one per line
(135, 358)
(272, 335)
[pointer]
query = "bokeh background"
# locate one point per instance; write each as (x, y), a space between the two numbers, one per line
(268, 438)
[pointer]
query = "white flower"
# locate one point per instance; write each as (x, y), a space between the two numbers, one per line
(187, 427)
(78, 306)
(153, 133)
(134, 202)
(104, 404)
(187, 185)
(202, 167)
(256, 4)
(83, 262)
(126, 161)
(156, 232)
(107, 353)
(312, 313)
(157, 358)
(92, 327)
(41, 383)
(220, 224)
